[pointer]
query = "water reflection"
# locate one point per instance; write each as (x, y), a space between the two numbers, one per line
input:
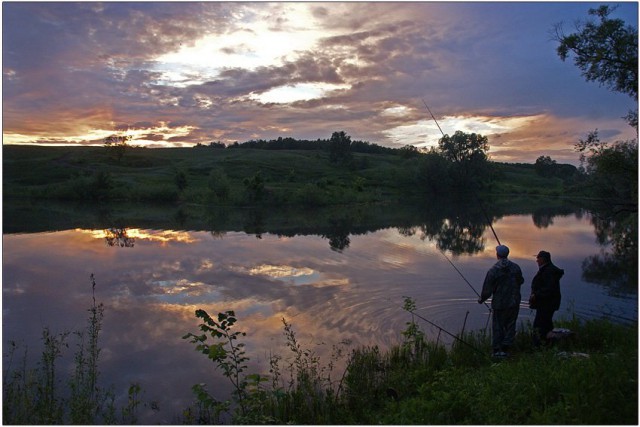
(118, 237)
(350, 289)
(616, 265)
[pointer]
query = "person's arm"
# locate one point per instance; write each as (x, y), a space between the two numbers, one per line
(519, 276)
(544, 284)
(487, 287)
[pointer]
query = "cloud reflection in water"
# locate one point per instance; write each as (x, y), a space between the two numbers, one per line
(151, 291)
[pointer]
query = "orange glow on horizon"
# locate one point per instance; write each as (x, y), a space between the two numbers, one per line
(163, 237)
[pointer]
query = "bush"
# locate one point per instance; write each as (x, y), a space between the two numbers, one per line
(155, 193)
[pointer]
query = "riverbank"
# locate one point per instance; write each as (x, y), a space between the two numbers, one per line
(243, 177)
(590, 378)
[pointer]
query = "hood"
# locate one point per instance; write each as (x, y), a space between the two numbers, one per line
(555, 271)
(503, 263)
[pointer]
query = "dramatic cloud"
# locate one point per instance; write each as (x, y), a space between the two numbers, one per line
(177, 74)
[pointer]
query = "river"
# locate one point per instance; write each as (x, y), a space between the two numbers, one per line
(339, 283)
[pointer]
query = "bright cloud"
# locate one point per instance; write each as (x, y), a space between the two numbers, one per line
(256, 42)
(298, 92)
(177, 74)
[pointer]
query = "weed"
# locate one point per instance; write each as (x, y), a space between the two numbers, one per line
(37, 396)
(422, 382)
(226, 352)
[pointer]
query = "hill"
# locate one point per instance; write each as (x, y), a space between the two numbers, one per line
(245, 176)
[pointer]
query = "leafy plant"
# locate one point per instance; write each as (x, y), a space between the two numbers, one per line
(226, 352)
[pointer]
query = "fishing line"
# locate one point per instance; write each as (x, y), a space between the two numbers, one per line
(462, 275)
(479, 201)
(488, 220)
(441, 251)
(490, 225)
(447, 332)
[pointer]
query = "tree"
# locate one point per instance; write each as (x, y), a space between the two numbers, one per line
(545, 166)
(219, 185)
(409, 151)
(255, 187)
(468, 154)
(181, 180)
(433, 174)
(116, 145)
(612, 170)
(340, 148)
(606, 52)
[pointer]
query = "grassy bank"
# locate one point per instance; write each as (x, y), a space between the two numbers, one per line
(590, 378)
(242, 176)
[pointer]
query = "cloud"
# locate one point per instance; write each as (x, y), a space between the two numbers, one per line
(73, 71)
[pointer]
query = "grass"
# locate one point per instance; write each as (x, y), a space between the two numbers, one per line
(591, 378)
(295, 177)
(588, 379)
(36, 395)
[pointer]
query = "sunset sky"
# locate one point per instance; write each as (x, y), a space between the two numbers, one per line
(181, 73)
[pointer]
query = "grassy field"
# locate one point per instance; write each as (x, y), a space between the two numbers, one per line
(235, 176)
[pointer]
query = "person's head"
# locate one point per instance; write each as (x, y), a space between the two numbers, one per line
(543, 258)
(502, 251)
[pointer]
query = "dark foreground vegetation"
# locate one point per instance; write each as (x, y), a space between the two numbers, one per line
(590, 378)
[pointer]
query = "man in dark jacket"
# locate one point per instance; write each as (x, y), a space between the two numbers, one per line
(503, 281)
(545, 296)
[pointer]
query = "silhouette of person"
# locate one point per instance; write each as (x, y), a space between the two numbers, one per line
(503, 281)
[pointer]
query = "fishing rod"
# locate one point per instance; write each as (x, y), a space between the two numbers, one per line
(488, 220)
(442, 251)
(433, 117)
(462, 275)
(479, 201)
(447, 332)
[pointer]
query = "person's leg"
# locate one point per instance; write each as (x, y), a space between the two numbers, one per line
(498, 331)
(542, 325)
(537, 325)
(510, 320)
(546, 324)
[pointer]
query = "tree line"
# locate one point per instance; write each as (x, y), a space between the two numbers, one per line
(337, 140)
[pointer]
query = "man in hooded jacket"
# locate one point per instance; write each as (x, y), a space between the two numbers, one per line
(545, 296)
(503, 281)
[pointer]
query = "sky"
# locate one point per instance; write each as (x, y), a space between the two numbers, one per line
(174, 74)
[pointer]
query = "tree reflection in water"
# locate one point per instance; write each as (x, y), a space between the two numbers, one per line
(118, 237)
(460, 232)
(455, 226)
(338, 234)
(617, 267)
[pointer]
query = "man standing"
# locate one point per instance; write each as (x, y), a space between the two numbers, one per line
(503, 281)
(545, 296)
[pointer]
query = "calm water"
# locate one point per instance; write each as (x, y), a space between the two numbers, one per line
(152, 280)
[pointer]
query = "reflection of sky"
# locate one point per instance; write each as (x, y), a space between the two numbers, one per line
(151, 291)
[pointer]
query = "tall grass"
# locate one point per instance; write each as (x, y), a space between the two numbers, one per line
(591, 378)
(588, 379)
(41, 395)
